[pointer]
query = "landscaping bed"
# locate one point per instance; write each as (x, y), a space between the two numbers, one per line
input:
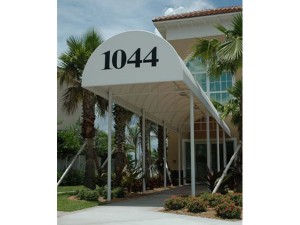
(216, 206)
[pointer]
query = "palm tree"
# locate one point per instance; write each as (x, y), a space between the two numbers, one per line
(226, 56)
(133, 139)
(72, 63)
(223, 57)
(122, 117)
(233, 107)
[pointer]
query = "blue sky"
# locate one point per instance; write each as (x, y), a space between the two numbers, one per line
(111, 17)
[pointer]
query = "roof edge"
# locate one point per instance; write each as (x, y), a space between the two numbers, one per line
(199, 13)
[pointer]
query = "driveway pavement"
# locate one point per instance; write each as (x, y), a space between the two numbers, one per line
(139, 211)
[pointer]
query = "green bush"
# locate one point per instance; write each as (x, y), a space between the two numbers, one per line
(73, 177)
(217, 199)
(206, 197)
(229, 210)
(88, 195)
(237, 198)
(196, 205)
(175, 203)
(118, 192)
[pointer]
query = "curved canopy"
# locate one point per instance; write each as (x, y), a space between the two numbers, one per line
(143, 71)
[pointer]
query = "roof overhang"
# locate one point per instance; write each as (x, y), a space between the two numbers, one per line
(184, 28)
(144, 72)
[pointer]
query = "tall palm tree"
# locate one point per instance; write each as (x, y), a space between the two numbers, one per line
(122, 117)
(72, 63)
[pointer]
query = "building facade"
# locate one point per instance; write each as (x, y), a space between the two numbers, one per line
(182, 31)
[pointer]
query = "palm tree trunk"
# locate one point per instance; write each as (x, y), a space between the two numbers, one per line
(88, 133)
(120, 157)
(160, 150)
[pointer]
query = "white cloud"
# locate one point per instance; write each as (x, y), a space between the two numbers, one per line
(188, 6)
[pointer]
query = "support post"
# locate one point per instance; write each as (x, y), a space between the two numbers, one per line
(184, 162)
(192, 137)
(179, 157)
(226, 169)
(208, 152)
(71, 164)
(109, 146)
(144, 149)
(165, 157)
(224, 150)
(218, 147)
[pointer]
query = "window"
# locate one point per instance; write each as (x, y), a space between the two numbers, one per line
(215, 88)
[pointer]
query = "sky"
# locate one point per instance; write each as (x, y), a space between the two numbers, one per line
(111, 17)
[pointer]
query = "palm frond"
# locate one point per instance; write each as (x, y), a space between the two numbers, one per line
(71, 99)
(231, 50)
(237, 24)
(101, 104)
(92, 40)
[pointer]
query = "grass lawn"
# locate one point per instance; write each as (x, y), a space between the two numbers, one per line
(69, 188)
(67, 205)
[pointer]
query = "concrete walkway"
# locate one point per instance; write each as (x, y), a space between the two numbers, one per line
(139, 211)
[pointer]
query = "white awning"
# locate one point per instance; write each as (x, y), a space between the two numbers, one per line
(143, 71)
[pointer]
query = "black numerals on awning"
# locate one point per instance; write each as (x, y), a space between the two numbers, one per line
(119, 59)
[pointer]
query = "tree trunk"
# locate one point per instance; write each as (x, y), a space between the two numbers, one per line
(88, 133)
(160, 150)
(121, 116)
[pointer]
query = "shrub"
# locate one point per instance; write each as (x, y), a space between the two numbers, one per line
(196, 205)
(155, 182)
(175, 203)
(73, 177)
(217, 199)
(228, 210)
(206, 197)
(137, 185)
(237, 198)
(118, 192)
(88, 195)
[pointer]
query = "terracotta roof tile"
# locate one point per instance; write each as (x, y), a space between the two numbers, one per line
(208, 12)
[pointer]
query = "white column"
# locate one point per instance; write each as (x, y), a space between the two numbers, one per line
(179, 157)
(224, 150)
(218, 146)
(208, 151)
(184, 162)
(165, 157)
(144, 148)
(109, 146)
(192, 134)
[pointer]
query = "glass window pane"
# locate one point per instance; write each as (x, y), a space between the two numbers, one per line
(213, 96)
(212, 86)
(218, 97)
(203, 85)
(218, 86)
(223, 77)
(223, 86)
(224, 97)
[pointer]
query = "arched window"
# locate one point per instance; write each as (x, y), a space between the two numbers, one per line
(215, 88)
